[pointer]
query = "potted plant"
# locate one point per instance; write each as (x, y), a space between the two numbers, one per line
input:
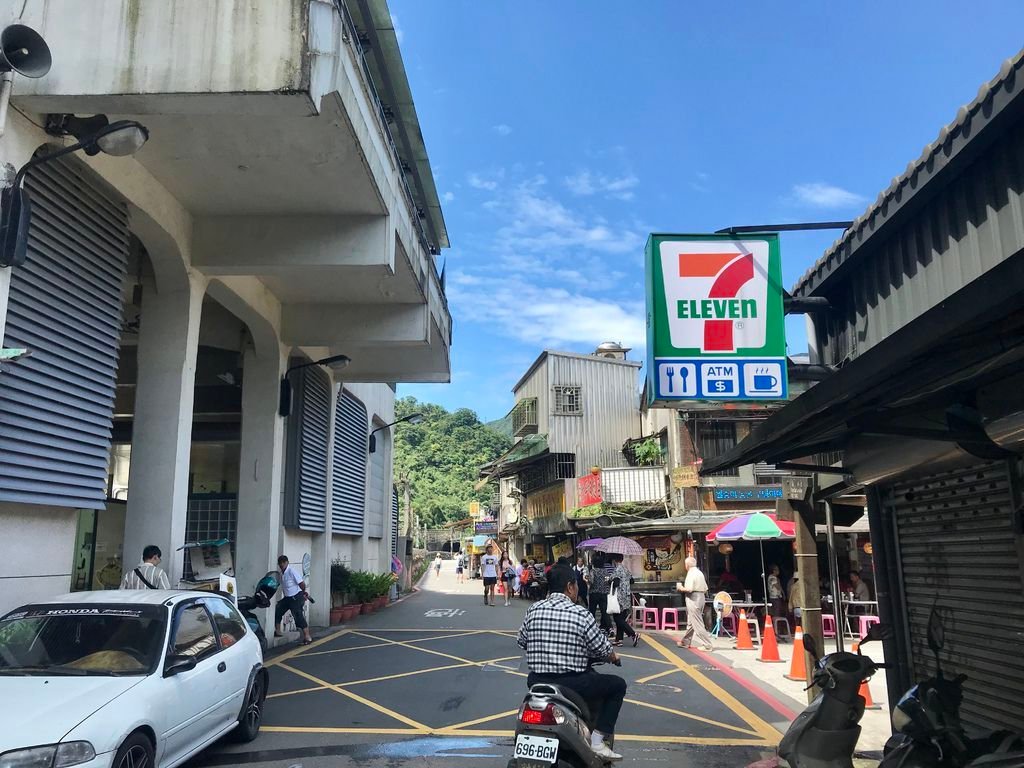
(363, 588)
(340, 578)
(382, 583)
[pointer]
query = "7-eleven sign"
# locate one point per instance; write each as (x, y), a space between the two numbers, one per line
(716, 298)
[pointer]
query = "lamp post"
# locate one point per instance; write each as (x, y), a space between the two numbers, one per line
(122, 138)
(284, 404)
(412, 418)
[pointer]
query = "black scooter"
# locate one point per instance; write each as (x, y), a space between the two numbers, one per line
(266, 588)
(553, 729)
(927, 724)
(825, 734)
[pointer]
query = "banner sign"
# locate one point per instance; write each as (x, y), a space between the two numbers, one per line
(588, 489)
(485, 527)
(715, 314)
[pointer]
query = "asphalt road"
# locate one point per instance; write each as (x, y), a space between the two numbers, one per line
(437, 679)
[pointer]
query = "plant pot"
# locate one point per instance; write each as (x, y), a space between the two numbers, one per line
(381, 602)
(366, 608)
(351, 611)
(337, 616)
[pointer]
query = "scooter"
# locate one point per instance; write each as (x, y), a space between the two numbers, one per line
(553, 729)
(266, 588)
(825, 734)
(927, 724)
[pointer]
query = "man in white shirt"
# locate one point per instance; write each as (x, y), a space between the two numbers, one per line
(147, 574)
(695, 587)
(489, 572)
(294, 589)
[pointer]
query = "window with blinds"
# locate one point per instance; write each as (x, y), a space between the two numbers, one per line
(309, 431)
(378, 499)
(348, 499)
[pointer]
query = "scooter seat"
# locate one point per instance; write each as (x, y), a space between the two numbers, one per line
(568, 694)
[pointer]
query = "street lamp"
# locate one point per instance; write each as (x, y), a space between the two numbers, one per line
(412, 418)
(124, 137)
(284, 405)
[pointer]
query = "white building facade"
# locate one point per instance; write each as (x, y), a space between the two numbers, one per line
(283, 211)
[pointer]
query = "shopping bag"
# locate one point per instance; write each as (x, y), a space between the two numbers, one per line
(613, 605)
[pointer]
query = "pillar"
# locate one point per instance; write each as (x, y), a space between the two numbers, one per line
(5, 288)
(261, 468)
(162, 428)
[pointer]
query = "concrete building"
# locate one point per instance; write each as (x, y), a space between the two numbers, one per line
(924, 410)
(282, 211)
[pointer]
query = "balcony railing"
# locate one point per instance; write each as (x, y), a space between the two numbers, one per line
(524, 418)
(633, 485)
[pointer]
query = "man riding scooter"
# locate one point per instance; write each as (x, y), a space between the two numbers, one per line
(562, 640)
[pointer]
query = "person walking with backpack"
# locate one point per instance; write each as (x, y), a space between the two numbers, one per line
(147, 574)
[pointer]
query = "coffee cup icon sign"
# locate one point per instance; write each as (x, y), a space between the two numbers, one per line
(764, 382)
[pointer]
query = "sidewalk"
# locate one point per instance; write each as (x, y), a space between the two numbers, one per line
(875, 725)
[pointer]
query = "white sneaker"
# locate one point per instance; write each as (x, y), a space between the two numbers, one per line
(605, 752)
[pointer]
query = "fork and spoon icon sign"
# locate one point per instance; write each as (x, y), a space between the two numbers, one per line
(671, 373)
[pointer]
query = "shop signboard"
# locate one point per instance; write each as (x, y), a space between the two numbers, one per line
(715, 315)
(664, 556)
(561, 549)
(748, 493)
(686, 476)
(485, 526)
(474, 509)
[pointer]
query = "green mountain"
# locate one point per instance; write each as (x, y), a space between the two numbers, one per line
(501, 426)
(442, 456)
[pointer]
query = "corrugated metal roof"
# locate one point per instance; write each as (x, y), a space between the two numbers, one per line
(971, 120)
(572, 355)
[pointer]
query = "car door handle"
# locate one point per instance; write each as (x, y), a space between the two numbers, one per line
(221, 667)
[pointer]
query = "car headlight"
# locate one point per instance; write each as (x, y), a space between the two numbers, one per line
(52, 756)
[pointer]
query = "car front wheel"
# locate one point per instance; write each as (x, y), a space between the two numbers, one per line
(135, 752)
(252, 716)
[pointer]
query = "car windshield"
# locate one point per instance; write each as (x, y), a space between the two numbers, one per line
(93, 639)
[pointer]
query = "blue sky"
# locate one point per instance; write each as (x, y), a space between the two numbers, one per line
(561, 134)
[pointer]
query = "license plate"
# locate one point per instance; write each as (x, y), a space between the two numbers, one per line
(536, 748)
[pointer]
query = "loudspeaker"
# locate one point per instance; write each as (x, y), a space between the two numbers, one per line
(24, 51)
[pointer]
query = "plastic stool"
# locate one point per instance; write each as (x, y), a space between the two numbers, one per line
(828, 625)
(730, 624)
(865, 624)
(778, 623)
(755, 629)
(670, 619)
(638, 615)
(649, 619)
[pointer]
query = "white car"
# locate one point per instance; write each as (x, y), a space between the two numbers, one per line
(128, 679)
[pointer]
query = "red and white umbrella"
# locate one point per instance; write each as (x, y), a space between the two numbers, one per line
(619, 545)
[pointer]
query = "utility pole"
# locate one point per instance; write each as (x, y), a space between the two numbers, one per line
(801, 489)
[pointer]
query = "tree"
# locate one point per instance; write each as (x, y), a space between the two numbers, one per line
(442, 456)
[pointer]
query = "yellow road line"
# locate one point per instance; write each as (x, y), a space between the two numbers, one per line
(292, 693)
(356, 697)
(648, 679)
(643, 658)
(689, 740)
(763, 728)
(424, 671)
(690, 716)
(342, 650)
(407, 644)
(385, 642)
(303, 648)
(478, 721)
(367, 731)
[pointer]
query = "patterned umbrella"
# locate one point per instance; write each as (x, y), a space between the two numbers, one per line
(619, 545)
(756, 527)
(590, 544)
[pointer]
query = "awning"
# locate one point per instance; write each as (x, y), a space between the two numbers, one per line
(480, 541)
(523, 452)
(972, 338)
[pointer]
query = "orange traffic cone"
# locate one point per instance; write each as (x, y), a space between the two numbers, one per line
(798, 667)
(865, 691)
(743, 641)
(769, 646)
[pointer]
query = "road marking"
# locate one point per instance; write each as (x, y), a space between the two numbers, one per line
(292, 693)
(385, 642)
(408, 644)
(424, 671)
(644, 658)
(356, 697)
(303, 648)
(648, 679)
(764, 729)
(366, 731)
(688, 716)
(701, 741)
(478, 721)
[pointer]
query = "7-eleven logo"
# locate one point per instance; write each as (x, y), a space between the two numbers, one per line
(717, 294)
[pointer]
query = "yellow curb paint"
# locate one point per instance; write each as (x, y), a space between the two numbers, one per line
(764, 729)
(356, 697)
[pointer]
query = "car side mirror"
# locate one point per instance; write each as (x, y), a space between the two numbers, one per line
(175, 665)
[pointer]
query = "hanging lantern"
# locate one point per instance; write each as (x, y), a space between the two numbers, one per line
(868, 549)
(725, 549)
(595, 470)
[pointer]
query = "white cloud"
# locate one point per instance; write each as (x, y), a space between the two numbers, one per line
(586, 183)
(501, 129)
(488, 182)
(821, 195)
(447, 197)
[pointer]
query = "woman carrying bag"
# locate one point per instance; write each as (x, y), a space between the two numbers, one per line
(620, 600)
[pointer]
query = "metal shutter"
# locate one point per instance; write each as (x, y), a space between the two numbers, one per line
(958, 550)
(377, 498)
(348, 502)
(56, 406)
(394, 521)
(309, 478)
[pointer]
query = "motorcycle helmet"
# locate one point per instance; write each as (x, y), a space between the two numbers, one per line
(267, 587)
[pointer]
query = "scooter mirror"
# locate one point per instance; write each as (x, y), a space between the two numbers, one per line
(877, 632)
(810, 646)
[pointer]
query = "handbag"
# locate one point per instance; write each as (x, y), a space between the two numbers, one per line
(613, 605)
